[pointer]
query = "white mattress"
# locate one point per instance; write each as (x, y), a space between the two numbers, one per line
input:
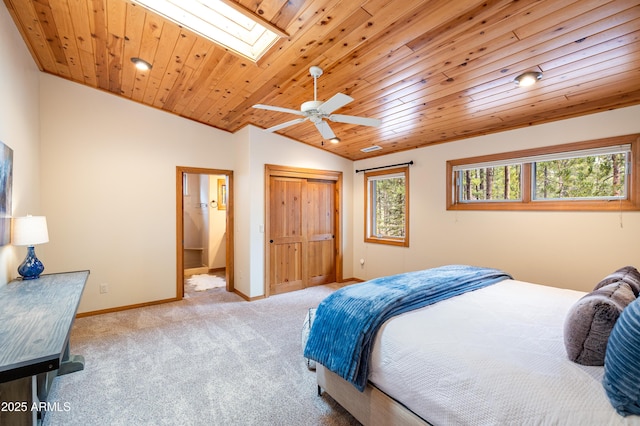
(494, 356)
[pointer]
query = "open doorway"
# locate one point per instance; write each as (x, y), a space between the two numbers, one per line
(204, 227)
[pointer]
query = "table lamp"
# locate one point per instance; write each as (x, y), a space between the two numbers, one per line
(29, 231)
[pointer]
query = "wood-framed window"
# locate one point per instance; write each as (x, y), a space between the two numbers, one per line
(387, 206)
(596, 175)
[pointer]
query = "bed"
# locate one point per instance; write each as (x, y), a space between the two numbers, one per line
(494, 355)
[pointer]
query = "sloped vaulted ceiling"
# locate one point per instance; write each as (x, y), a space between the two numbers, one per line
(432, 70)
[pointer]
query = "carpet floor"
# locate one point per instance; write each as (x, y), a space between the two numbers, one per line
(210, 359)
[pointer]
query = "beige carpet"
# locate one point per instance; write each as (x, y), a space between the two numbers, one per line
(211, 359)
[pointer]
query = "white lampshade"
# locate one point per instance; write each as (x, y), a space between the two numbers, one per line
(29, 231)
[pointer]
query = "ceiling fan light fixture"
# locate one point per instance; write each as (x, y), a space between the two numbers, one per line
(141, 64)
(310, 106)
(319, 112)
(528, 78)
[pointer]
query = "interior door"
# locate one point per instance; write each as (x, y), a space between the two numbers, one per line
(286, 243)
(320, 232)
(302, 230)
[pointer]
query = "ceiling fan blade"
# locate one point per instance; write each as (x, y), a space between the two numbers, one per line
(325, 130)
(279, 109)
(336, 101)
(283, 125)
(352, 119)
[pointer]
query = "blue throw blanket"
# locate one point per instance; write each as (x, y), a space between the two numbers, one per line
(347, 321)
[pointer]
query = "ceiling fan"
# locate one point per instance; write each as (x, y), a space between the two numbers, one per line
(317, 111)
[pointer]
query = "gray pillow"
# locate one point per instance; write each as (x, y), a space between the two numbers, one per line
(590, 321)
(628, 274)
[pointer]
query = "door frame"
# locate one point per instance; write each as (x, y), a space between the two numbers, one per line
(229, 239)
(295, 172)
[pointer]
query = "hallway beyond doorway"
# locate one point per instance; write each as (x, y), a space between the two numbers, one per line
(204, 245)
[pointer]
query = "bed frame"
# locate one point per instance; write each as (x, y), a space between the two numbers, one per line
(371, 407)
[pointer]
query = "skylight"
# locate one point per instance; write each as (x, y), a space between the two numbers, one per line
(219, 22)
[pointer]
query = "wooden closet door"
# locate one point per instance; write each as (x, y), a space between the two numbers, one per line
(302, 233)
(321, 253)
(286, 245)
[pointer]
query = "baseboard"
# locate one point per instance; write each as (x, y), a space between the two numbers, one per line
(247, 298)
(126, 308)
(159, 302)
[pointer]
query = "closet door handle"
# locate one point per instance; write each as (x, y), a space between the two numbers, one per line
(271, 241)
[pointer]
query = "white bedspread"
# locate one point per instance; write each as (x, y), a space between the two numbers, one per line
(491, 357)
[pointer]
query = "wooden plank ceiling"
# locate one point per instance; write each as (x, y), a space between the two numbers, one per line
(432, 70)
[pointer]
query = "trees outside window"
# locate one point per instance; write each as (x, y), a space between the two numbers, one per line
(588, 177)
(500, 183)
(581, 176)
(387, 206)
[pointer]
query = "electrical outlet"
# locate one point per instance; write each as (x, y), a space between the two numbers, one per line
(104, 288)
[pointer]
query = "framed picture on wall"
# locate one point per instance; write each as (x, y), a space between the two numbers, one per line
(222, 194)
(6, 185)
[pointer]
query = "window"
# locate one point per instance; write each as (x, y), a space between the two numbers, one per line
(492, 183)
(226, 23)
(590, 176)
(593, 175)
(387, 206)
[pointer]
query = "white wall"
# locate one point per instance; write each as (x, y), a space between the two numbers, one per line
(563, 249)
(193, 220)
(19, 130)
(109, 189)
(217, 227)
(262, 148)
(104, 175)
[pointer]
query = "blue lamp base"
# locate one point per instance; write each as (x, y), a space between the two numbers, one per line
(31, 267)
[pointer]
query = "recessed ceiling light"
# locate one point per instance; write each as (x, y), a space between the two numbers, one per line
(528, 78)
(141, 64)
(334, 140)
(225, 23)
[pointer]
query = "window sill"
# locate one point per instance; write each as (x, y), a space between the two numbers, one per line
(388, 241)
(603, 206)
